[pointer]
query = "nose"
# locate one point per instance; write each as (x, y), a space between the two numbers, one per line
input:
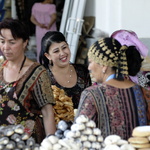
(61, 52)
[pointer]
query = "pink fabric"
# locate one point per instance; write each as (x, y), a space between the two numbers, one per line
(129, 38)
(134, 79)
(42, 13)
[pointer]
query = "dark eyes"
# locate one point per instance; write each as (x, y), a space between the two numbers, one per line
(11, 42)
(57, 50)
(1, 41)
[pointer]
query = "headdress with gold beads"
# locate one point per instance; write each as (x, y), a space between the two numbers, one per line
(109, 52)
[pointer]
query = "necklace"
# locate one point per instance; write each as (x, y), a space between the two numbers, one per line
(16, 81)
(22, 64)
(56, 74)
(70, 75)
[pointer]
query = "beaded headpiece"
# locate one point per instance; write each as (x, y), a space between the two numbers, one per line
(109, 52)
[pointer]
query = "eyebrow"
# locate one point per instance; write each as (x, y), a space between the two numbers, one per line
(2, 38)
(55, 49)
(64, 45)
(60, 46)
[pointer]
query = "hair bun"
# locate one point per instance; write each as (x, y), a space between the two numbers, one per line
(134, 60)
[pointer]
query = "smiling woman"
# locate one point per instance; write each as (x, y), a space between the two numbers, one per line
(55, 56)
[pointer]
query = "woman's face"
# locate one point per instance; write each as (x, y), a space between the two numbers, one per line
(96, 71)
(10, 47)
(59, 54)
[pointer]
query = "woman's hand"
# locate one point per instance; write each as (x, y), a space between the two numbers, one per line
(35, 22)
(53, 19)
(43, 26)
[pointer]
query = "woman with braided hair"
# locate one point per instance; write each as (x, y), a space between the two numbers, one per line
(116, 104)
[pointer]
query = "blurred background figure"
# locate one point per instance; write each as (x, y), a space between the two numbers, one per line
(44, 16)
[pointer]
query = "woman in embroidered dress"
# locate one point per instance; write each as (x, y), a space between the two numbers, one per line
(23, 84)
(44, 17)
(115, 103)
(55, 56)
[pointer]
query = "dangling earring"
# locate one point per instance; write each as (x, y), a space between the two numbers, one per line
(50, 62)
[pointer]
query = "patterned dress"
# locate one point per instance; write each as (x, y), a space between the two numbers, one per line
(147, 97)
(83, 81)
(115, 110)
(21, 101)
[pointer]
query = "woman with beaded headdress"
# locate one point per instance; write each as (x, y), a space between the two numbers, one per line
(116, 104)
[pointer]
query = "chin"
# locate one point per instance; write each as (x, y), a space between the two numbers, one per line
(67, 62)
(93, 79)
(64, 64)
(98, 80)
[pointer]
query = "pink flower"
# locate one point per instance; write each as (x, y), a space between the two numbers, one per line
(11, 119)
(3, 105)
(11, 104)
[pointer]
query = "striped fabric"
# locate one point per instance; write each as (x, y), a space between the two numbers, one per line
(115, 110)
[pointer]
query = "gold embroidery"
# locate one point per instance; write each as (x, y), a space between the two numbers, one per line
(109, 54)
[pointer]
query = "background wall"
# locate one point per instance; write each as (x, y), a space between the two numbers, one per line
(118, 14)
(113, 15)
